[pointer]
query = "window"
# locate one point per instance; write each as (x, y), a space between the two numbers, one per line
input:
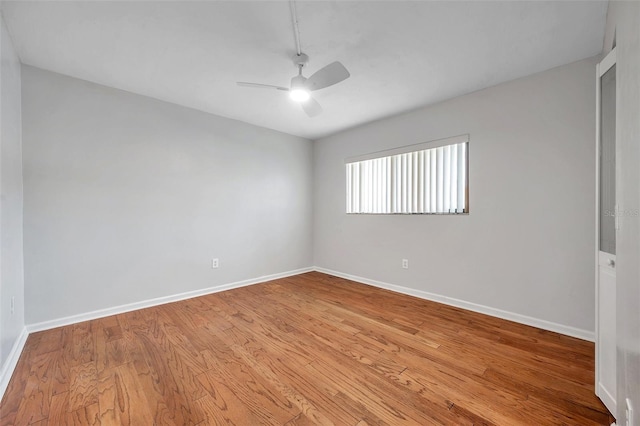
(428, 178)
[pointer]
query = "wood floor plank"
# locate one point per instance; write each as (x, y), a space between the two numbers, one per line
(83, 386)
(159, 401)
(50, 341)
(59, 410)
(373, 394)
(311, 349)
(259, 395)
(130, 328)
(295, 376)
(223, 407)
(109, 353)
(121, 398)
(285, 370)
(306, 407)
(164, 386)
(34, 406)
(493, 405)
(82, 347)
(85, 416)
(16, 390)
(60, 414)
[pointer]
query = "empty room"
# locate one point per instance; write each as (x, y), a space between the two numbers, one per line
(320, 212)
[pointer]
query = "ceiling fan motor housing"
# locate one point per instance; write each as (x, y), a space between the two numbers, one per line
(297, 82)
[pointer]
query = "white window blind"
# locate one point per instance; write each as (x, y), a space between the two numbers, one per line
(420, 181)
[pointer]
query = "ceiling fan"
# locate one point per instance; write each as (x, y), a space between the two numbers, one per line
(301, 87)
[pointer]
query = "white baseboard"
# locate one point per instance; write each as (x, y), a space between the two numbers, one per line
(12, 360)
(494, 312)
(101, 313)
(607, 399)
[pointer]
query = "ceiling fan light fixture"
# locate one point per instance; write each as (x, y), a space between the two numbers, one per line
(299, 95)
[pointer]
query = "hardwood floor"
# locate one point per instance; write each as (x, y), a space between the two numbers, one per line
(310, 349)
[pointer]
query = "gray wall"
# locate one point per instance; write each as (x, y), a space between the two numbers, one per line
(623, 20)
(128, 198)
(11, 265)
(527, 246)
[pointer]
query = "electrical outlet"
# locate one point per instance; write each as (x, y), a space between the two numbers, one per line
(628, 413)
(405, 263)
(214, 263)
(13, 304)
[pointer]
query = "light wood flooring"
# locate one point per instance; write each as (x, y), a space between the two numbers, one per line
(305, 350)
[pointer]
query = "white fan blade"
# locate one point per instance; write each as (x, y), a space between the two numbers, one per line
(261, 86)
(311, 107)
(327, 76)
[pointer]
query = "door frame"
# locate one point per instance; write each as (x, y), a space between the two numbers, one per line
(601, 68)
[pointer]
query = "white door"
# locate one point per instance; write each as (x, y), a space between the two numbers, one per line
(606, 228)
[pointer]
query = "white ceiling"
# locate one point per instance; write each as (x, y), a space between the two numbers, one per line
(401, 54)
